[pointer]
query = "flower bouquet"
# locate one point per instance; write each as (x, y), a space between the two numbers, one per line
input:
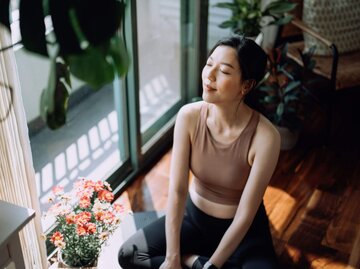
(84, 220)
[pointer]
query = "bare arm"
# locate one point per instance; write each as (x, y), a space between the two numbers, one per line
(178, 188)
(267, 148)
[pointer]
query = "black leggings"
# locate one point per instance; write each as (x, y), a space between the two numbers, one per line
(200, 235)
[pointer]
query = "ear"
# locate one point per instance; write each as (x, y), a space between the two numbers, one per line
(248, 85)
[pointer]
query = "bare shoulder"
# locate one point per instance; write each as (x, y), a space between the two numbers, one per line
(186, 120)
(266, 134)
(190, 113)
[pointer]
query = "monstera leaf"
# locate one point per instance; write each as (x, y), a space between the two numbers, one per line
(98, 65)
(5, 13)
(32, 26)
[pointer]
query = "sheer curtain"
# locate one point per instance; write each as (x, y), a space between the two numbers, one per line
(17, 177)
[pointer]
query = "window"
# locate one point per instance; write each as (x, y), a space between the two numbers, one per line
(216, 17)
(112, 133)
(159, 54)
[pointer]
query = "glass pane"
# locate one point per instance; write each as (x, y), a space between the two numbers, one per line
(158, 24)
(88, 145)
(216, 17)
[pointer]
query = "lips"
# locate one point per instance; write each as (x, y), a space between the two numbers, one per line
(208, 87)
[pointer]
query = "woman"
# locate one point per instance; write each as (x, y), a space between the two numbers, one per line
(232, 152)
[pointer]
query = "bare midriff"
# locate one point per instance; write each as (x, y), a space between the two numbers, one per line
(211, 208)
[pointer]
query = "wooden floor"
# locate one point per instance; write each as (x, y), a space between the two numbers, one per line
(313, 203)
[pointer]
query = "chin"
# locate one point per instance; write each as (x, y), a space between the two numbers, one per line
(207, 98)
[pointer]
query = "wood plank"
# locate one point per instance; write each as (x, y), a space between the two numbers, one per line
(345, 226)
(354, 260)
(309, 226)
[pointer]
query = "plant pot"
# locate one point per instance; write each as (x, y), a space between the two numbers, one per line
(288, 138)
(258, 38)
(62, 264)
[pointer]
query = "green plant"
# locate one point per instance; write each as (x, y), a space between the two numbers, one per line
(84, 220)
(83, 39)
(248, 17)
(285, 96)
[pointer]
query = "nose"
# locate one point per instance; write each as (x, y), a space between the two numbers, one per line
(210, 75)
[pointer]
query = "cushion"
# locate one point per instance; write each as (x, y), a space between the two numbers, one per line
(337, 21)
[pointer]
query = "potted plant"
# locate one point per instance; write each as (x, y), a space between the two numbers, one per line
(85, 219)
(248, 17)
(83, 39)
(285, 98)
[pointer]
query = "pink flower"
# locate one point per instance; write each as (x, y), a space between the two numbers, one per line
(57, 190)
(118, 208)
(107, 217)
(104, 235)
(99, 185)
(55, 209)
(79, 184)
(89, 184)
(60, 244)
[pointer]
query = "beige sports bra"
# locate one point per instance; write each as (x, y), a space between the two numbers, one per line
(221, 171)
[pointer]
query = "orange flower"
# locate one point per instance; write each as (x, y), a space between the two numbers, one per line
(70, 219)
(91, 228)
(84, 202)
(99, 215)
(105, 195)
(82, 218)
(81, 230)
(86, 211)
(57, 236)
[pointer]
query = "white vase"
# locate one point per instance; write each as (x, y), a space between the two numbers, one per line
(258, 39)
(288, 138)
(62, 264)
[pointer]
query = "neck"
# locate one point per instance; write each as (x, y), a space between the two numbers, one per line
(228, 115)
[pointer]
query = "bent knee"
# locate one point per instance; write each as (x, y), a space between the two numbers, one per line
(126, 255)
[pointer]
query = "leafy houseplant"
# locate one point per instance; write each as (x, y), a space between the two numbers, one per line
(285, 98)
(83, 39)
(248, 17)
(84, 220)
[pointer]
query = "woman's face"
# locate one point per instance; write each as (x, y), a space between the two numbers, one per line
(221, 76)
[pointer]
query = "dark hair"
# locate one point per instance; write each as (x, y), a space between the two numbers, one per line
(251, 57)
